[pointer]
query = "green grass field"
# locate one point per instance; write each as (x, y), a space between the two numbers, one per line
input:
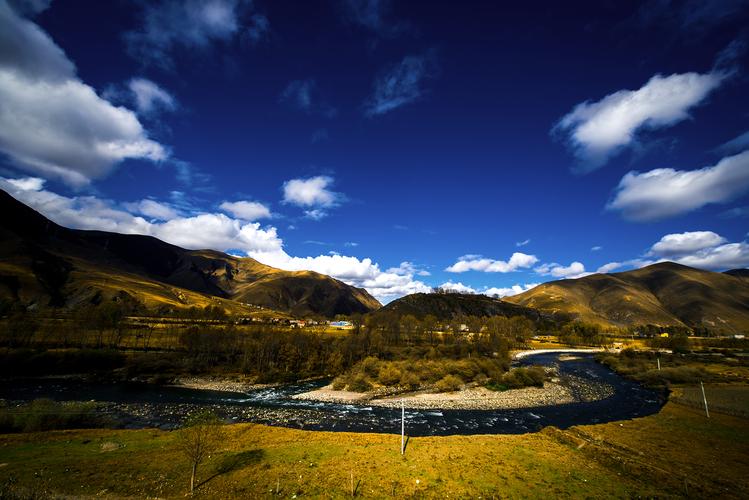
(675, 453)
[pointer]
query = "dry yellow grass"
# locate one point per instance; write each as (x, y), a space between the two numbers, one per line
(642, 457)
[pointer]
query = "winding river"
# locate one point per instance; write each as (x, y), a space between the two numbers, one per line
(141, 405)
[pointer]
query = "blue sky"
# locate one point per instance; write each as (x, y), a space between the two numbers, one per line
(395, 145)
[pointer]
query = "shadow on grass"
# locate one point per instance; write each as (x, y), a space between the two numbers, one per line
(235, 461)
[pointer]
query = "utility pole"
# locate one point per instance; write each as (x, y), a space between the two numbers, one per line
(707, 413)
(403, 426)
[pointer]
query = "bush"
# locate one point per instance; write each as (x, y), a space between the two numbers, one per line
(389, 375)
(449, 383)
(518, 378)
(359, 384)
(339, 383)
(410, 380)
(370, 366)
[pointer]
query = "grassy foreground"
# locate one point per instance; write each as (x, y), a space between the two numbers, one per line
(675, 453)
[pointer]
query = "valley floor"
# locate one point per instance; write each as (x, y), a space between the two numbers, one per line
(675, 453)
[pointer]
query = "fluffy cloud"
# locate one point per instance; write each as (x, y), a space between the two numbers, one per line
(457, 287)
(151, 208)
(53, 124)
(477, 263)
(363, 273)
(701, 249)
(400, 84)
(728, 256)
(685, 243)
(611, 266)
(210, 230)
(491, 292)
(508, 292)
(313, 193)
(666, 192)
(171, 25)
(246, 210)
(149, 98)
(216, 231)
(405, 268)
(574, 270)
(595, 131)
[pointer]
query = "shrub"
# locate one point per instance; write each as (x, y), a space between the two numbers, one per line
(449, 383)
(370, 366)
(359, 384)
(389, 375)
(410, 380)
(339, 383)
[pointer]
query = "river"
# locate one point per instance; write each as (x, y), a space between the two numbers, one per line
(142, 405)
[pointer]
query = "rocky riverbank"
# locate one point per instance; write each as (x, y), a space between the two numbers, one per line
(218, 384)
(475, 398)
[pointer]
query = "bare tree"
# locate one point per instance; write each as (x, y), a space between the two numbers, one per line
(200, 436)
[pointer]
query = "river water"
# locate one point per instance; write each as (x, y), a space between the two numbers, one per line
(142, 405)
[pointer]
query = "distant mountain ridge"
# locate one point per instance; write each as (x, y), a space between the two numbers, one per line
(49, 265)
(665, 294)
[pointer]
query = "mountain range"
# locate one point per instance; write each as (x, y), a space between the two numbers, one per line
(43, 264)
(665, 294)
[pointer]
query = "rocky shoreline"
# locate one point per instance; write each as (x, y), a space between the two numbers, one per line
(218, 384)
(475, 398)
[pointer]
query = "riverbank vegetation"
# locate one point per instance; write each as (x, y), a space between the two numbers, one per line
(45, 415)
(665, 368)
(639, 458)
(438, 374)
(107, 343)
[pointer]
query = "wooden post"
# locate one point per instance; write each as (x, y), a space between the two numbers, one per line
(403, 426)
(659, 364)
(707, 413)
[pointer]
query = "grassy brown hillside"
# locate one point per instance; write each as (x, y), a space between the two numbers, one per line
(45, 264)
(660, 294)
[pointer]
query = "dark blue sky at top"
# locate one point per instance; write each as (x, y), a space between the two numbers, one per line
(470, 166)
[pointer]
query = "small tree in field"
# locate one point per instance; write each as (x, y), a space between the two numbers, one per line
(200, 436)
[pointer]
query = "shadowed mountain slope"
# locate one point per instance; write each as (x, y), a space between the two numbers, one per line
(661, 294)
(46, 264)
(445, 306)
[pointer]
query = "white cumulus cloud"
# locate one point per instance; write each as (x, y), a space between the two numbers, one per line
(518, 260)
(666, 192)
(246, 210)
(509, 291)
(596, 131)
(701, 249)
(685, 243)
(313, 194)
(574, 270)
(52, 123)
